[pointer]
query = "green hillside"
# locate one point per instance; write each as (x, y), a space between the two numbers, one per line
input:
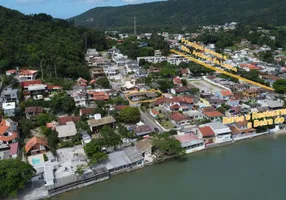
(31, 40)
(174, 14)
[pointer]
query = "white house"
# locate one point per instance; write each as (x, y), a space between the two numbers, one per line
(152, 59)
(179, 119)
(24, 74)
(222, 132)
(191, 143)
(176, 59)
(9, 109)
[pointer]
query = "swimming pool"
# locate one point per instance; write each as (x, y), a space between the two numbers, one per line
(36, 161)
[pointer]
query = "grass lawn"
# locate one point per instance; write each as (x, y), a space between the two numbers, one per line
(167, 124)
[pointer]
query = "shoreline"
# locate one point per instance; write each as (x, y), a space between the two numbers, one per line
(55, 195)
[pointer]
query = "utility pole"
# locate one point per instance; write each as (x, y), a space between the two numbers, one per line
(135, 31)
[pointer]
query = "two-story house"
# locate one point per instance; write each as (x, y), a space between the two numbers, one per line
(9, 95)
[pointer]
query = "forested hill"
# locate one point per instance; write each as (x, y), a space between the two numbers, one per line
(29, 40)
(174, 14)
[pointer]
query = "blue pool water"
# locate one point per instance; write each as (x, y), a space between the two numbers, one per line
(36, 161)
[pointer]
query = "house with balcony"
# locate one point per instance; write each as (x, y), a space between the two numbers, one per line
(97, 72)
(36, 145)
(206, 133)
(8, 131)
(222, 132)
(9, 109)
(224, 95)
(179, 119)
(250, 93)
(190, 142)
(239, 130)
(212, 114)
(26, 74)
(152, 59)
(80, 98)
(33, 111)
(9, 95)
(176, 59)
(132, 67)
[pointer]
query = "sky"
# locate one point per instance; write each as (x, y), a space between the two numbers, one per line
(63, 8)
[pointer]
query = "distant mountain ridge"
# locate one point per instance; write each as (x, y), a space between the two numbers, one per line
(174, 14)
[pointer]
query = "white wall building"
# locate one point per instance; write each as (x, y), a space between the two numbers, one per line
(191, 143)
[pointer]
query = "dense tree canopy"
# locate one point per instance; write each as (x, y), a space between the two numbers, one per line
(280, 86)
(129, 115)
(167, 144)
(14, 174)
(175, 15)
(93, 151)
(109, 137)
(41, 40)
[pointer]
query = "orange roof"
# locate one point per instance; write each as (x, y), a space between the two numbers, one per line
(27, 72)
(212, 114)
(3, 129)
(226, 93)
(92, 81)
(253, 67)
(35, 140)
(189, 100)
(176, 116)
(155, 112)
(206, 131)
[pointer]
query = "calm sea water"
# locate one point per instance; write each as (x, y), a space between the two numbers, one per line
(254, 170)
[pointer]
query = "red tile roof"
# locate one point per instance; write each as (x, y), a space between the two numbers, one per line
(212, 114)
(34, 110)
(34, 82)
(160, 101)
(64, 120)
(4, 128)
(206, 131)
(174, 107)
(35, 140)
(27, 72)
(189, 100)
(54, 87)
(176, 116)
(226, 93)
(120, 107)
(87, 111)
(155, 112)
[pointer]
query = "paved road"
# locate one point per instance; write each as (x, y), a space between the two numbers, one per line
(147, 119)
